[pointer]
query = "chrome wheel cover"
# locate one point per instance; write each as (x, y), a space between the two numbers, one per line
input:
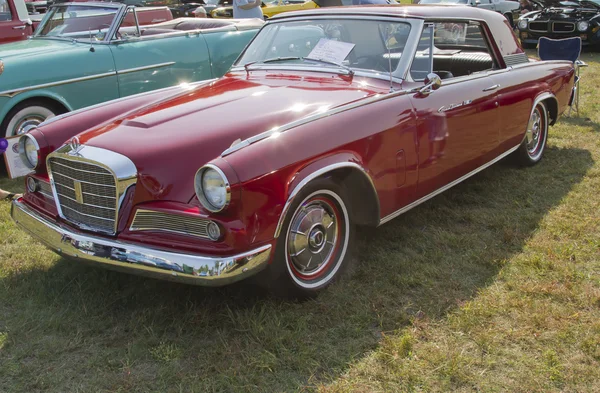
(535, 136)
(320, 227)
(27, 118)
(312, 237)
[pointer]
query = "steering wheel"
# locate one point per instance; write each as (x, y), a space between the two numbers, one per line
(380, 62)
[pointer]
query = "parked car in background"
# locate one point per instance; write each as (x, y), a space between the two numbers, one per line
(15, 24)
(508, 8)
(561, 19)
(179, 8)
(37, 6)
(87, 53)
(365, 112)
(271, 8)
(212, 5)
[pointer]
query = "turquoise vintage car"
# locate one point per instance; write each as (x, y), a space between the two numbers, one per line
(87, 53)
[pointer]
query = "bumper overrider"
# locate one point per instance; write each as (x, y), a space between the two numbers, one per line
(141, 260)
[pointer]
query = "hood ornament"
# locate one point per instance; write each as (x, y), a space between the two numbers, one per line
(75, 146)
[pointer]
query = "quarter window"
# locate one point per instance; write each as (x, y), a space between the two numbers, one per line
(459, 49)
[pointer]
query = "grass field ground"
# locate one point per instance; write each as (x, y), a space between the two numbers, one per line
(491, 286)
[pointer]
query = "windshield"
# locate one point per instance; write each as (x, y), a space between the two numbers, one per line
(348, 43)
(80, 22)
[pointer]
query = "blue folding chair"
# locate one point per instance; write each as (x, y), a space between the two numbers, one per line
(565, 49)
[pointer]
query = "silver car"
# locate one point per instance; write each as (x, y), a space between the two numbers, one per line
(510, 9)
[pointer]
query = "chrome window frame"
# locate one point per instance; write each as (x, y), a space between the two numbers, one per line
(120, 14)
(398, 74)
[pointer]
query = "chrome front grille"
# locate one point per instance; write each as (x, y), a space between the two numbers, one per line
(87, 193)
(149, 220)
(563, 27)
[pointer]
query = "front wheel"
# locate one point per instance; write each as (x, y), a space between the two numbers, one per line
(25, 116)
(532, 148)
(313, 248)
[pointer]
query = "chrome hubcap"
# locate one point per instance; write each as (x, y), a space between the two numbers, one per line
(534, 132)
(27, 123)
(312, 237)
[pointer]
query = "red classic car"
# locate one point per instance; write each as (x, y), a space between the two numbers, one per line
(15, 24)
(329, 119)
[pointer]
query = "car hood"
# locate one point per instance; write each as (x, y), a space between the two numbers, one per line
(180, 134)
(567, 4)
(34, 47)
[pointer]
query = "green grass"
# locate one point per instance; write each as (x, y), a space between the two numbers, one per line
(491, 286)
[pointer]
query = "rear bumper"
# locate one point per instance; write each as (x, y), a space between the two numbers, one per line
(141, 260)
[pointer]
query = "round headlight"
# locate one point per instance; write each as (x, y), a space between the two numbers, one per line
(28, 149)
(212, 188)
(522, 24)
(582, 26)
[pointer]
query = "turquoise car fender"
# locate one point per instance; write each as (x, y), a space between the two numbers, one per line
(7, 104)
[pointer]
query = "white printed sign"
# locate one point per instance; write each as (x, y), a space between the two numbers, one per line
(14, 164)
(330, 50)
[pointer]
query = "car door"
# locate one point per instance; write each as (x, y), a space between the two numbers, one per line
(12, 28)
(148, 58)
(457, 124)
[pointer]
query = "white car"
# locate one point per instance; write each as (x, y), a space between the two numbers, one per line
(510, 9)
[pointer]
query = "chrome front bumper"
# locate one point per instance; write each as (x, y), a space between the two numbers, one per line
(188, 268)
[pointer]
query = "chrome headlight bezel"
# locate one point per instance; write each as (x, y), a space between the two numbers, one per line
(201, 193)
(583, 25)
(522, 24)
(25, 141)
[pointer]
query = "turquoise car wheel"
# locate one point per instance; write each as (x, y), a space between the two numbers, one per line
(23, 117)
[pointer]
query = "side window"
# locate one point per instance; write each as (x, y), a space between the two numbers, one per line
(459, 49)
(128, 28)
(5, 14)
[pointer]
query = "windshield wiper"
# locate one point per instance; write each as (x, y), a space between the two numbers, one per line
(272, 60)
(350, 70)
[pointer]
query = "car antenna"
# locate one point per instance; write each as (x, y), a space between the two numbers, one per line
(91, 42)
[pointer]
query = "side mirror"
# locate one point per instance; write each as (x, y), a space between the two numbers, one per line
(432, 83)
(477, 2)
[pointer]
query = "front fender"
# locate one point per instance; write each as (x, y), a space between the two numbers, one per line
(8, 103)
(318, 168)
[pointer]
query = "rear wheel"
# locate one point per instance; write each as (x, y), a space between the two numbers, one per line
(313, 248)
(534, 144)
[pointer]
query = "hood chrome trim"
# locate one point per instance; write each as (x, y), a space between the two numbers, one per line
(314, 117)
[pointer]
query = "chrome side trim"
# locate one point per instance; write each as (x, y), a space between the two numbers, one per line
(148, 67)
(14, 92)
(416, 203)
(137, 259)
(313, 176)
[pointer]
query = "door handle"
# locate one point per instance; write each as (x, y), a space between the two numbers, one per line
(19, 28)
(494, 87)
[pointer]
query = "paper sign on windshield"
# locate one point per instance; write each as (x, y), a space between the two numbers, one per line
(330, 50)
